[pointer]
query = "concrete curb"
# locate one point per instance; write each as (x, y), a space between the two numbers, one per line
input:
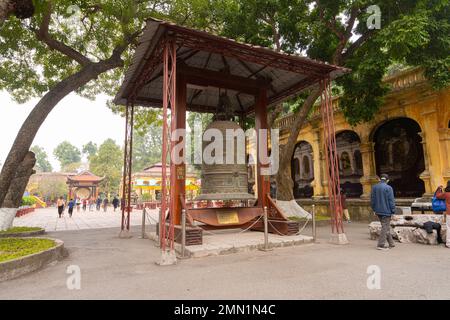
(212, 250)
(208, 250)
(23, 234)
(18, 267)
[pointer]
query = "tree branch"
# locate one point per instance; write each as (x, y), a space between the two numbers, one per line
(337, 56)
(270, 21)
(120, 48)
(330, 24)
(43, 35)
(358, 43)
(351, 22)
(300, 119)
(273, 115)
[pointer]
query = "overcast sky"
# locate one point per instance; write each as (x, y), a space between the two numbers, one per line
(75, 119)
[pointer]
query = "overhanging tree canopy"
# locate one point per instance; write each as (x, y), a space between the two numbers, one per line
(62, 49)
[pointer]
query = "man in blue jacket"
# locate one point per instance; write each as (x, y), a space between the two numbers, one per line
(71, 205)
(383, 204)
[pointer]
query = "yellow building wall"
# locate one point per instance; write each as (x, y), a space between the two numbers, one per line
(411, 97)
(140, 191)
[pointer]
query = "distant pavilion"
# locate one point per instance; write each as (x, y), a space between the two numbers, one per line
(84, 185)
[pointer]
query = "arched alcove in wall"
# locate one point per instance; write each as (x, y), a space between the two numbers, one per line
(350, 162)
(302, 170)
(399, 153)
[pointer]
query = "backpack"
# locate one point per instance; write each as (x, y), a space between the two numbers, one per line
(438, 205)
(429, 226)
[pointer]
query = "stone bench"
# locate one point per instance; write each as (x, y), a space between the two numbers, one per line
(410, 231)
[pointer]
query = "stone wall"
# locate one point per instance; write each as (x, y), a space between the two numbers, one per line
(411, 231)
(359, 209)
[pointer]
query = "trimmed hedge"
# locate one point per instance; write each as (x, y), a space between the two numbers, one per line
(28, 201)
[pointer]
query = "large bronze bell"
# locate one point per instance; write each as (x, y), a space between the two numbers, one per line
(224, 181)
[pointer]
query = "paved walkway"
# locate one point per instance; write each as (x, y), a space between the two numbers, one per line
(113, 268)
(48, 218)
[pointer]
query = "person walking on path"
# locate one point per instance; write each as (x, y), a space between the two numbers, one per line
(115, 203)
(60, 205)
(344, 206)
(91, 204)
(383, 204)
(70, 206)
(78, 203)
(445, 195)
(84, 204)
(105, 204)
(99, 203)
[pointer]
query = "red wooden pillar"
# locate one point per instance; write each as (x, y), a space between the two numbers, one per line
(260, 124)
(178, 171)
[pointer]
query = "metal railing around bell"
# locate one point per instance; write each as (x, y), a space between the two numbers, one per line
(148, 219)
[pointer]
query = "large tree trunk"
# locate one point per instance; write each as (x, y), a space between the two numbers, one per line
(30, 127)
(18, 185)
(285, 184)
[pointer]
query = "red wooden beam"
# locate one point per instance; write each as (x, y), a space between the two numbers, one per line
(149, 102)
(204, 77)
(302, 84)
(178, 171)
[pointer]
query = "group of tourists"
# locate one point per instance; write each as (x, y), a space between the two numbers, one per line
(84, 204)
(383, 204)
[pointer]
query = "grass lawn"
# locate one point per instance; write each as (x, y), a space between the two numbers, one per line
(20, 230)
(12, 248)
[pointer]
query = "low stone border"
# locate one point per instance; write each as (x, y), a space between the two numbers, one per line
(24, 211)
(23, 234)
(409, 228)
(18, 267)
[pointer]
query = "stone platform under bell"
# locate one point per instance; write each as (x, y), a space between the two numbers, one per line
(230, 218)
(224, 242)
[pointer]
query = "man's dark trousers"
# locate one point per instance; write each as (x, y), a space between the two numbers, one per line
(385, 233)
